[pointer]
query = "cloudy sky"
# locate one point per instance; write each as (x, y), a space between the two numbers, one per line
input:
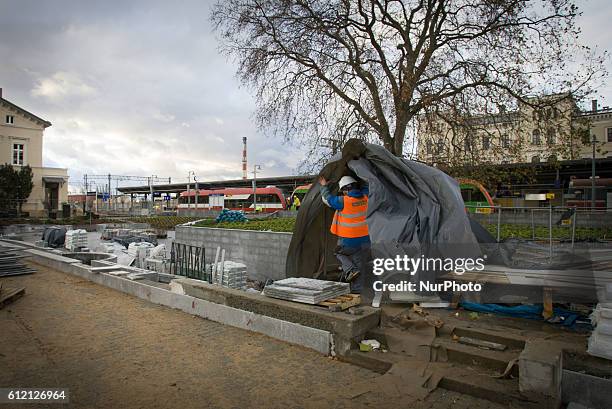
(137, 87)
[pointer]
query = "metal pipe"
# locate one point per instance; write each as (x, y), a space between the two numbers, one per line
(574, 227)
(532, 225)
(550, 249)
(499, 211)
(594, 142)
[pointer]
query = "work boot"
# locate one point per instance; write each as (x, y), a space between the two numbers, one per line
(352, 275)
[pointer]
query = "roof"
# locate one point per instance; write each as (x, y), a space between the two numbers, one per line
(288, 183)
(26, 113)
(54, 179)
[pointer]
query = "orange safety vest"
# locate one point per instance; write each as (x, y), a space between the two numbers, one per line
(350, 222)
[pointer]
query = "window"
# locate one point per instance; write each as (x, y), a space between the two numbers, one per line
(551, 137)
(535, 159)
(440, 147)
(535, 137)
(18, 154)
(609, 134)
(468, 143)
(486, 143)
(505, 141)
(10, 119)
(429, 147)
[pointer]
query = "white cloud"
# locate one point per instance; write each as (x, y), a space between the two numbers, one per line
(61, 85)
(164, 117)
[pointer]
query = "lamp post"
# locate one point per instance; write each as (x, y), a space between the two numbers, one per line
(594, 142)
(255, 169)
(189, 187)
(195, 179)
(153, 177)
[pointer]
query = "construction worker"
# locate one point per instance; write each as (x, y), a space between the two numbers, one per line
(350, 226)
(296, 203)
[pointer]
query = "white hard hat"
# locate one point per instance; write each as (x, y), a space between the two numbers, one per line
(346, 180)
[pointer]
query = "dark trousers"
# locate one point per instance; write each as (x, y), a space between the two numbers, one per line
(354, 259)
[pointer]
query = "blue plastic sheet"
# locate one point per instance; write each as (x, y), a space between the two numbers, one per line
(532, 312)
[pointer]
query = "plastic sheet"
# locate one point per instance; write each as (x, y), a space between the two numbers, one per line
(413, 209)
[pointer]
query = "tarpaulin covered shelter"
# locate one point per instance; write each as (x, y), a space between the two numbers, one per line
(413, 209)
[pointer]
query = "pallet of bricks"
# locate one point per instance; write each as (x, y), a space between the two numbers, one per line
(75, 239)
(229, 274)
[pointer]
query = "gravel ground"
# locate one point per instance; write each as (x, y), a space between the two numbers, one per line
(112, 350)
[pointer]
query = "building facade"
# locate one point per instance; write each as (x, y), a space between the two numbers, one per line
(21, 144)
(544, 129)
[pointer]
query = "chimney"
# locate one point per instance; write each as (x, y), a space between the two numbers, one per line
(594, 105)
(0, 92)
(244, 158)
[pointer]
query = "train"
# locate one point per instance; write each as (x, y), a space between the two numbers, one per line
(269, 199)
(475, 196)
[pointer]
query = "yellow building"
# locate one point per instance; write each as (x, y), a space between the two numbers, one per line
(21, 143)
(599, 121)
(547, 128)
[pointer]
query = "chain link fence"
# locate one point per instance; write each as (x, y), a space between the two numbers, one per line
(552, 224)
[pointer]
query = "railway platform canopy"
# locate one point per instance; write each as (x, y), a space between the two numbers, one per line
(285, 183)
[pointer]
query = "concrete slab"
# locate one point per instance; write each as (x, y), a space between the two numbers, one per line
(588, 390)
(346, 328)
(48, 259)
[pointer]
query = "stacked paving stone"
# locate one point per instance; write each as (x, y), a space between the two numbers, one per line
(109, 234)
(75, 239)
(306, 290)
(600, 342)
(232, 275)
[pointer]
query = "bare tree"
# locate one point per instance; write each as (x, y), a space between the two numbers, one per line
(369, 68)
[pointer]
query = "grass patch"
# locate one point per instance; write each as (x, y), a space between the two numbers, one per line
(280, 224)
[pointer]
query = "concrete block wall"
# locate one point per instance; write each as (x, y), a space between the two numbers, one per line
(264, 253)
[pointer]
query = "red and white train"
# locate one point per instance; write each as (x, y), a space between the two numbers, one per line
(269, 199)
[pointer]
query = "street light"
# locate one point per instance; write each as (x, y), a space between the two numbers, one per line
(594, 142)
(195, 179)
(255, 169)
(189, 187)
(153, 177)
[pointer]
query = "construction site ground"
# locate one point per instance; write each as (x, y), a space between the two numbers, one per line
(113, 350)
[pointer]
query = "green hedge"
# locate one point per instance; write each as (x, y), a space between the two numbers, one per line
(507, 230)
(281, 224)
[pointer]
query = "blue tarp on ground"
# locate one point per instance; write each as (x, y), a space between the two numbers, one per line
(532, 312)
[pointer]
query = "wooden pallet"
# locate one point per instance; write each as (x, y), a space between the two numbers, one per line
(342, 302)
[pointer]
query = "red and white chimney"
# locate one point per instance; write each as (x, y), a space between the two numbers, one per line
(244, 158)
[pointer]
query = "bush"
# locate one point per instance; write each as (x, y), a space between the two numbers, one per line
(281, 224)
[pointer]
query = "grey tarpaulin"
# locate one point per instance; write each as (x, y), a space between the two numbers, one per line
(413, 210)
(54, 236)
